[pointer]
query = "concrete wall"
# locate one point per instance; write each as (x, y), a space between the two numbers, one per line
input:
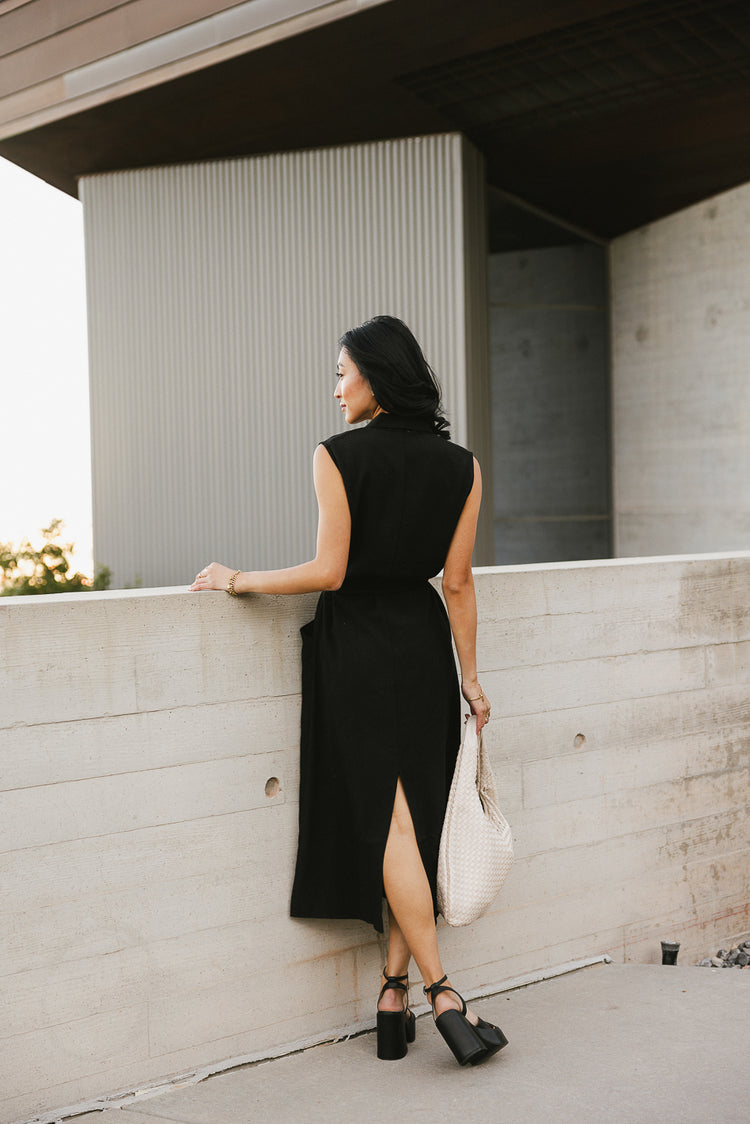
(680, 387)
(550, 404)
(216, 296)
(146, 873)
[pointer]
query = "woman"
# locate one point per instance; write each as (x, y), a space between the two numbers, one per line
(398, 502)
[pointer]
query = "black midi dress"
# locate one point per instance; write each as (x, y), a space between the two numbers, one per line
(380, 696)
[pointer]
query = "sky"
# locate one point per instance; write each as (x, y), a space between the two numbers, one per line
(44, 411)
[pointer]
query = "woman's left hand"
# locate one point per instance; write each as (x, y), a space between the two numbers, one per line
(214, 576)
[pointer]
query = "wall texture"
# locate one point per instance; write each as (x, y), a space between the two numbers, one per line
(550, 404)
(681, 395)
(145, 871)
(217, 293)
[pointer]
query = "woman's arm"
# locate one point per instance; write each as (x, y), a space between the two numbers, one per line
(326, 570)
(458, 590)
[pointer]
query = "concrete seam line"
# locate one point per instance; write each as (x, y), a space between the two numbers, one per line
(537, 977)
(193, 1077)
(341, 1034)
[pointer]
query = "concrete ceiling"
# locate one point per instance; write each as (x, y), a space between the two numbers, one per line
(603, 114)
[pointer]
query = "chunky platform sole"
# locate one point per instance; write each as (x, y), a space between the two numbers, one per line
(461, 1037)
(492, 1038)
(395, 1030)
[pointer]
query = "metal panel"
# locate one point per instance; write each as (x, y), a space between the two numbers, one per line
(217, 293)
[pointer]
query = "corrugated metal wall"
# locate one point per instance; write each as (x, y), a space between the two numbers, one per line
(217, 293)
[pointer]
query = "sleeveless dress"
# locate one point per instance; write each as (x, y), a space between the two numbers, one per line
(380, 697)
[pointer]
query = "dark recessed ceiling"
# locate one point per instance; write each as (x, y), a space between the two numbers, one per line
(605, 114)
(578, 74)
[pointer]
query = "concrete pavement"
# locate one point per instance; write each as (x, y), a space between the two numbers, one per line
(610, 1043)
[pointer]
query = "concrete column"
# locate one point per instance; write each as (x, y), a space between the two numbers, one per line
(217, 293)
(681, 394)
(550, 404)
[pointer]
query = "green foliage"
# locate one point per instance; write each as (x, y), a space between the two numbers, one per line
(46, 569)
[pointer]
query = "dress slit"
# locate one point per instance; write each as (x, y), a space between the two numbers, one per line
(430, 881)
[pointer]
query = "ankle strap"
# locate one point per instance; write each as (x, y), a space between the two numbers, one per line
(429, 988)
(433, 990)
(394, 983)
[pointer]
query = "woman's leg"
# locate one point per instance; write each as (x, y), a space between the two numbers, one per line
(399, 953)
(407, 889)
(396, 965)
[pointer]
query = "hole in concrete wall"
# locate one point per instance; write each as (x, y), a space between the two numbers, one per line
(579, 740)
(273, 786)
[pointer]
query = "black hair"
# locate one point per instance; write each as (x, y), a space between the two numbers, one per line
(389, 357)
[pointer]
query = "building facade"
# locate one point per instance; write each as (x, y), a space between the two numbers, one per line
(552, 195)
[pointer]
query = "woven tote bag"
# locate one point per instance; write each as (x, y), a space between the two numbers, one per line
(476, 844)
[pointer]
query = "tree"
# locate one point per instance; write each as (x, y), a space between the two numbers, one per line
(47, 569)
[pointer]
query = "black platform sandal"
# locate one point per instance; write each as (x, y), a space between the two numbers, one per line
(492, 1036)
(395, 1028)
(470, 1043)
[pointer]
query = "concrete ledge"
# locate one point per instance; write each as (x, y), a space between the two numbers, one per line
(148, 872)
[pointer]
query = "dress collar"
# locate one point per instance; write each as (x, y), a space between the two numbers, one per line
(419, 423)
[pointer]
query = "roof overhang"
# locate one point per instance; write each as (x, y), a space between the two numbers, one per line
(602, 113)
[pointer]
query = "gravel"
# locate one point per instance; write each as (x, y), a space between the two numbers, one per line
(736, 957)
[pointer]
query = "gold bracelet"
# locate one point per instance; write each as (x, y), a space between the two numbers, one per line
(479, 696)
(232, 580)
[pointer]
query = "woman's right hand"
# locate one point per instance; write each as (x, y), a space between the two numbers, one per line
(478, 701)
(213, 576)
